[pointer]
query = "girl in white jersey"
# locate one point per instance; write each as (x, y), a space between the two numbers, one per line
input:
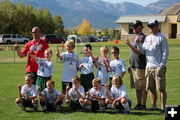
(28, 94)
(117, 96)
(103, 66)
(75, 95)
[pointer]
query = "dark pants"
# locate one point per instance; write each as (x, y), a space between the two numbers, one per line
(86, 81)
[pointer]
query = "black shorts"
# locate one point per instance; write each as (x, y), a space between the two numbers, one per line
(95, 105)
(86, 81)
(64, 85)
(27, 103)
(75, 105)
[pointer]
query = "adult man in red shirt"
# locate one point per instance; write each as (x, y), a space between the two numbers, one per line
(36, 47)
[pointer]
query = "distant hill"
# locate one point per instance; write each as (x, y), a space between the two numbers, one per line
(101, 14)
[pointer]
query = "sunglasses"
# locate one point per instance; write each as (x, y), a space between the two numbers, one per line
(114, 53)
(34, 32)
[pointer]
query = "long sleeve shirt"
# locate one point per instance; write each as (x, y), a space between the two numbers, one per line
(156, 49)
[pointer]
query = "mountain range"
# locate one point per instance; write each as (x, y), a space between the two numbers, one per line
(101, 14)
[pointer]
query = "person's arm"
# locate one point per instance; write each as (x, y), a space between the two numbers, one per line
(98, 98)
(67, 93)
(165, 52)
(107, 65)
(33, 56)
(135, 50)
(123, 73)
(79, 94)
(20, 54)
(58, 55)
(60, 97)
(108, 92)
(19, 91)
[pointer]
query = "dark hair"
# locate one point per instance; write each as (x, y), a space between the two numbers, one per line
(88, 46)
(115, 48)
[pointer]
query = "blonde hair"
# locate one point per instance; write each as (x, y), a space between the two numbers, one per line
(70, 42)
(96, 81)
(50, 82)
(117, 78)
(49, 50)
(75, 78)
(30, 76)
(104, 47)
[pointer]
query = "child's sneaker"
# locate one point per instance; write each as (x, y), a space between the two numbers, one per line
(127, 112)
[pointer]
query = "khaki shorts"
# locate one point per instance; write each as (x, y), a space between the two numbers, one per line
(156, 78)
(139, 78)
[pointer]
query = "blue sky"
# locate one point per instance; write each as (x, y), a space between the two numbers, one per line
(142, 2)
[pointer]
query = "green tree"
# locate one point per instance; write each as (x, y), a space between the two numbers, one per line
(59, 27)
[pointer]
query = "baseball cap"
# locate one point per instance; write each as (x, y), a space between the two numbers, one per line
(137, 23)
(152, 23)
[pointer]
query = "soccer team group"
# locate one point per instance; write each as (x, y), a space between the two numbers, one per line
(103, 91)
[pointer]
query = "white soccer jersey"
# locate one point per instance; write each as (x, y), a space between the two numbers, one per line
(70, 65)
(117, 66)
(119, 92)
(74, 96)
(102, 72)
(45, 68)
(51, 97)
(100, 93)
(29, 91)
(87, 65)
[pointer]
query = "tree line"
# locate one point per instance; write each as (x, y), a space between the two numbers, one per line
(19, 19)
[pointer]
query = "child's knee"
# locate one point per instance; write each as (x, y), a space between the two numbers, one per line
(108, 101)
(81, 101)
(68, 101)
(18, 100)
(87, 102)
(123, 100)
(35, 101)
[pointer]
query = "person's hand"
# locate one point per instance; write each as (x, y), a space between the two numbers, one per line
(76, 89)
(39, 88)
(81, 66)
(57, 51)
(16, 47)
(19, 87)
(68, 87)
(127, 41)
(129, 69)
(107, 86)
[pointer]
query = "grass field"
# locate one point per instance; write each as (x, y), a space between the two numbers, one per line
(11, 74)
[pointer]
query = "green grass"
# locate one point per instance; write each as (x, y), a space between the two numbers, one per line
(11, 74)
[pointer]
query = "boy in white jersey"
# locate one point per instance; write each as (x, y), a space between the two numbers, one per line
(118, 97)
(117, 65)
(28, 94)
(103, 66)
(50, 98)
(75, 95)
(70, 64)
(86, 67)
(45, 68)
(96, 96)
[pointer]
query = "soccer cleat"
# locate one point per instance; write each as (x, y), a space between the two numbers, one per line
(137, 107)
(127, 112)
(154, 109)
(162, 111)
(143, 107)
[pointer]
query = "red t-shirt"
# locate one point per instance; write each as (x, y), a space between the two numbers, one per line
(37, 49)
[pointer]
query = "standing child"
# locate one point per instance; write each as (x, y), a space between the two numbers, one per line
(96, 96)
(117, 65)
(86, 67)
(75, 96)
(28, 94)
(45, 68)
(50, 98)
(103, 66)
(70, 64)
(119, 98)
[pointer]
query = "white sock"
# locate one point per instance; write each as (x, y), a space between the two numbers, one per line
(102, 108)
(44, 107)
(21, 105)
(126, 106)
